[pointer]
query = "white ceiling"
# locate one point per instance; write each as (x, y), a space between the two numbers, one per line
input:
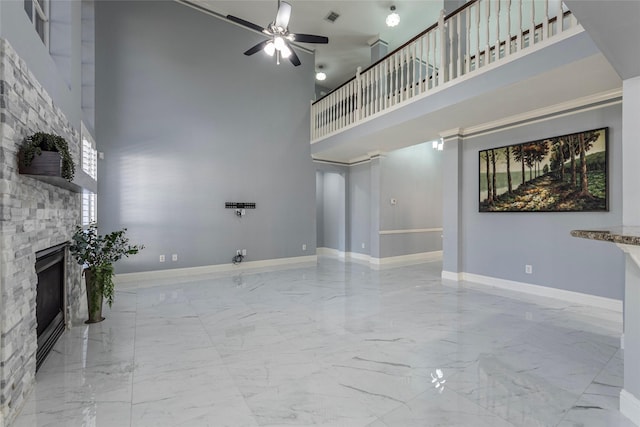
(360, 22)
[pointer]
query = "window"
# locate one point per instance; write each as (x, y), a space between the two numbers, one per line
(90, 167)
(38, 12)
(89, 156)
(89, 208)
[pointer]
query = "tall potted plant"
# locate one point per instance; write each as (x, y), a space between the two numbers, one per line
(97, 254)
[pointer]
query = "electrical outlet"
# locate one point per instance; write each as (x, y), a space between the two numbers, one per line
(304, 247)
(244, 252)
(363, 246)
(161, 258)
(528, 269)
(174, 257)
(238, 252)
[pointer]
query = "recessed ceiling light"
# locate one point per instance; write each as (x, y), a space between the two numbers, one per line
(393, 18)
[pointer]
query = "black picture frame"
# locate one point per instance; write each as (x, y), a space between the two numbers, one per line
(527, 177)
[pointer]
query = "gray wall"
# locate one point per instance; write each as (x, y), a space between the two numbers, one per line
(500, 244)
(186, 123)
(412, 175)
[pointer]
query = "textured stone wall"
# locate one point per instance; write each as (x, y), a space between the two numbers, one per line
(33, 216)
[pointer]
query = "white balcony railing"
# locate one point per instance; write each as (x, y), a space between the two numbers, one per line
(481, 32)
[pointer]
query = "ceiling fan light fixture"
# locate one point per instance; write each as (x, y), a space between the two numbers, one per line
(270, 49)
(278, 42)
(393, 18)
(285, 51)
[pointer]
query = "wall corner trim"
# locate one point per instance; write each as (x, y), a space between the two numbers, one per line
(162, 277)
(545, 291)
(630, 406)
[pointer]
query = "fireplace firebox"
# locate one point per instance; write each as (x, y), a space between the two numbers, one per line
(50, 299)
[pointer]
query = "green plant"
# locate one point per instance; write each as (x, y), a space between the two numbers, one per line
(39, 142)
(98, 253)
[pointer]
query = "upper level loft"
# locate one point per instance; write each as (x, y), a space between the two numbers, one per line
(475, 40)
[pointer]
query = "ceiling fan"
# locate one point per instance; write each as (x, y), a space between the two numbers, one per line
(279, 41)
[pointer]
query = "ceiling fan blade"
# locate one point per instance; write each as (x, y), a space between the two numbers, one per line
(293, 57)
(245, 23)
(310, 38)
(284, 13)
(257, 48)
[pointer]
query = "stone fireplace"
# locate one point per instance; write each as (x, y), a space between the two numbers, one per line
(34, 216)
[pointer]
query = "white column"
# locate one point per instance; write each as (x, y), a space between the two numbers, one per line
(630, 395)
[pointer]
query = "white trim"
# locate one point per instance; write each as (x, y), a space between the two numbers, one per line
(132, 280)
(558, 110)
(622, 341)
(545, 291)
(355, 256)
(408, 231)
(450, 275)
(419, 257)
(330, 252)
(630, 406)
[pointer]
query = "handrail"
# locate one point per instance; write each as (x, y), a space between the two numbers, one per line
(479, 33)
(414, 38)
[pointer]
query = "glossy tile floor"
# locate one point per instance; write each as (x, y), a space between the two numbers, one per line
(333, 345)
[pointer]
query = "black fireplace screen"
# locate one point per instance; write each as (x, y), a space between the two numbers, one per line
(49, 299)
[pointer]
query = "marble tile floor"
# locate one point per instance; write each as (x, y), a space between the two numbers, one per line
(337, 344)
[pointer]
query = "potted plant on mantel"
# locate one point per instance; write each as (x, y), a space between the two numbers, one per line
(53, 156)
(97, 254)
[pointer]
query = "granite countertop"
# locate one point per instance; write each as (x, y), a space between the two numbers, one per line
(622, 235)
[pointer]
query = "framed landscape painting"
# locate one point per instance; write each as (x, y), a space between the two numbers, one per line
(565, 173)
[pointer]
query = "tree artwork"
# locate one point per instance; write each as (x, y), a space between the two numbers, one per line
(562, 173)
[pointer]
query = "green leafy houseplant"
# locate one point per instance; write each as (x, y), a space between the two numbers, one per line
(39, 142)
(97, 253)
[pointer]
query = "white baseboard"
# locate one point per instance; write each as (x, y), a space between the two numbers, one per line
(133, 280)
(450, 275)
(630, 406)
(543, 291)
(374, 262)
(419, 257)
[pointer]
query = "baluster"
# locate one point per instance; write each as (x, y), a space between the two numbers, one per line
(532, 32)
(487, 51)
(467, 44)
(429, 62)
(368, 80)
(459, 43)
(519, 39)
(477, 35)
(413, 67)
(497, 48)
(507, 46)
(545, 22)
(560, 18)
(451, 65)
(407, 76)
(343, 106)
(443, 48)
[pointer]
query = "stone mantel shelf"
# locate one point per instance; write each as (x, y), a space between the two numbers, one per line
(81, 182)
